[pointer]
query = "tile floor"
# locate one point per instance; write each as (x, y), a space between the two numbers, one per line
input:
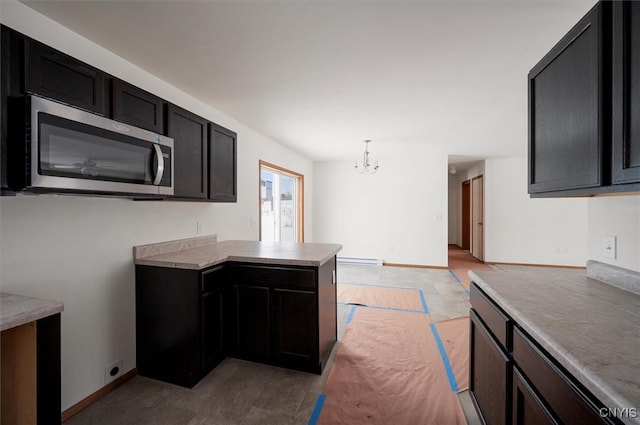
(237, 392)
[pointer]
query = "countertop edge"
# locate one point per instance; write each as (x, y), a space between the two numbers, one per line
(13, 321)
(149, 261)
(599, 388)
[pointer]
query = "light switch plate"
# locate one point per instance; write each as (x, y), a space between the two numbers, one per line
(609, 247)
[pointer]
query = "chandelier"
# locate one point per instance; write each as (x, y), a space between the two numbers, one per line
(366, 166)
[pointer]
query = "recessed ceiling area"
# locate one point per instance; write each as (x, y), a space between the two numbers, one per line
(322, 76)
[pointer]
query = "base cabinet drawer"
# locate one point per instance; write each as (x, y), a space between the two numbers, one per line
(496, 321)
(567, 401)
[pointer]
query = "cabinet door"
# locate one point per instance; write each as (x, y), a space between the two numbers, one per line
(252, 321)
(135, 106)
(567, 122)
(626, 92)
(490, 375)
(222, 164)
(296, 327)
(55, 75)
(190, 149)
(212, 332)
(527, 407)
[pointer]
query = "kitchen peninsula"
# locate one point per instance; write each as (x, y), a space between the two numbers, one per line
(199, 300)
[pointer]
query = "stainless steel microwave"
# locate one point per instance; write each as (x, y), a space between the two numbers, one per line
(71, 150)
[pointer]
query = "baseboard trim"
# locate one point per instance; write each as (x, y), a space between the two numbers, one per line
(414, 266)
(555, 266)
(92, 398)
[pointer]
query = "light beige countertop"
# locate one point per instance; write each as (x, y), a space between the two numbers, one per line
(590, 327)
(16, 310)
(208, 252)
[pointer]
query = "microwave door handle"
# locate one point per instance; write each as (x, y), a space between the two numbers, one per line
(160, 164)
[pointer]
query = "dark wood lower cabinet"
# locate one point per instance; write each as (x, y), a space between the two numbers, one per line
(296, 339)
(278, 317)
(187, 321)
(490, 375)
(527, 406)
(520, 383)
(252, 324)
(176, 330)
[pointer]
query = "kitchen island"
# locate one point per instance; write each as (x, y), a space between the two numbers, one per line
(556, 347)
(199, 300)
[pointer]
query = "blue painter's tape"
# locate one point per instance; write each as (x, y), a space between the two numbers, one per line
(313, 420)
(445, 359)
(379, 286)
(351, 313)
(424, 302)
(381, 307)
(454, 276)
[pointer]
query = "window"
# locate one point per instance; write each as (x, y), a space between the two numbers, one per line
(281, 204)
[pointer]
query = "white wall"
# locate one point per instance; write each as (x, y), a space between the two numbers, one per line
(519, 229)
(398, 215)
(616, 216)
(79, 249)
(455, 207)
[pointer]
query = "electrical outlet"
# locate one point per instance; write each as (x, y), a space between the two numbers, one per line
(198, 227)
(609, 247)
(111, 372)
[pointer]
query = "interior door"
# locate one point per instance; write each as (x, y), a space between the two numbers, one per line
(477, 217)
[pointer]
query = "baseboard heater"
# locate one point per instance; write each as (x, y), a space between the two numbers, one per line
(356, 260)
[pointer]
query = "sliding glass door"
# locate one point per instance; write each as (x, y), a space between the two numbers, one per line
(280, 204)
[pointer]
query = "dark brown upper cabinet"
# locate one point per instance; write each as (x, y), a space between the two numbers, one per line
(626, 92)
(137, 107)
(55, 75)
(223, 162)
(567, 121)
(190, 150)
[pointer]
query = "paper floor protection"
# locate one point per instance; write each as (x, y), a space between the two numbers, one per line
(389, 370)
(460, 262)
(454, 334)
(380, 296)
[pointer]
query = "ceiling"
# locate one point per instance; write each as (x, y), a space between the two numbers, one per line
(321, 76)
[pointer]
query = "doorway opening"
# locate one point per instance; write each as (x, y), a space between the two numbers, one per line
(281, 204)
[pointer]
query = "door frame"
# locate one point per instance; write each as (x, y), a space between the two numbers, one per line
(299, 196)
(465, 205)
